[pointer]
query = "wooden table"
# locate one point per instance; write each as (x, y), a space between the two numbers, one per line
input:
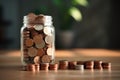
(10, 66)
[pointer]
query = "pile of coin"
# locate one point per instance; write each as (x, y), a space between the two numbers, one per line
(89, 64)
(69, 65)
(98, 65)
(106, 65)
(53, 66)
(63, 64)
(37, 41)
(72, 64)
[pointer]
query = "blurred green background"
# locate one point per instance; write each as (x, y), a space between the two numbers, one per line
(78, 23)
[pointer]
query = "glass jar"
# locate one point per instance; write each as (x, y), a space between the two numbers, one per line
(37, 39)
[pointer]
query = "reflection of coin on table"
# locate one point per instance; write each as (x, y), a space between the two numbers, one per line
(32, 52)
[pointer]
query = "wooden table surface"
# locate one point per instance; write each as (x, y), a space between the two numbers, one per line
(10, 66)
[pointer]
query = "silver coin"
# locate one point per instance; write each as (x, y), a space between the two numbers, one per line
(49, 39)
(40, 45)
(47, 30)
(38, 27)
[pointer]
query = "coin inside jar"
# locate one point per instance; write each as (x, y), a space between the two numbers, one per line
(38, 27)
(32, 51)
(37, 60)
(47, 30)
(28, 42)
(49, 51)
(38, 39)
(40, 45)
(45, 59)
(41, 52)
(49, 39)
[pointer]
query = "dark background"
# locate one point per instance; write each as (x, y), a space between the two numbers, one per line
(99, 28)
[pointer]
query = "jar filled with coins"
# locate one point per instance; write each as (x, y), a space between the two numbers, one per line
(37, 39)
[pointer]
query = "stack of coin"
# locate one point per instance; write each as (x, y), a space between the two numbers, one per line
(72, 64)
(80, 62)
(38, 41)
(63, 64)
(44, 66)
(31, 67)
(79, 67)
(98, 65)
(53, 66)
(89, 64)
(106, 65)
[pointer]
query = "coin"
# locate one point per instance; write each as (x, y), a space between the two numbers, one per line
(32, 51)
(45, 59)
(49, 39)
(41, 52)
(47, 30)
(38, 27)
(79, 67)
(28, 42)
(50, 51)
(40, 45)
(31, 17)
(36, 59)
(38, 39)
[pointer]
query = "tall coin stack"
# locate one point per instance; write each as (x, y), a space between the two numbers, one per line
(37, 39)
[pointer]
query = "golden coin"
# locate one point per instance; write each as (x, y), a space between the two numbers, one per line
(41, 52)
(49, 39)
(38, 39)
(38, 27)
(40, 45)
(28, 42)
(32, 52)
(45, 59)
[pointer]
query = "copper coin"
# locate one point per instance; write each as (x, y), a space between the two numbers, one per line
(53, 66)
(40, 19)
(28, 42)
(38, 39)
(33, 33)
(32, 51)
(49, 39)
(80, 62)
(63, 64)
(72, 64)
(41, 52)
(45, 59)
(31, 17)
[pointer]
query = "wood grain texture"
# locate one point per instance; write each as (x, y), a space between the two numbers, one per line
(10, 66)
